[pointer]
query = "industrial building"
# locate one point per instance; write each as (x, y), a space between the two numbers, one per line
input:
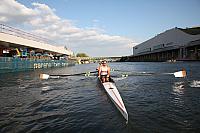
(171, 45)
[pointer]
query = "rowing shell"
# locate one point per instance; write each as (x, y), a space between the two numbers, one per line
(114, 95)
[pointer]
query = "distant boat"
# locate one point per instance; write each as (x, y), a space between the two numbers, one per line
(171, 61)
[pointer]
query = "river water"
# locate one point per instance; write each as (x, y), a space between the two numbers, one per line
(156, 103)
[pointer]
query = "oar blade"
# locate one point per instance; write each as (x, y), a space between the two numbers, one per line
(44, 76)
(180, 74)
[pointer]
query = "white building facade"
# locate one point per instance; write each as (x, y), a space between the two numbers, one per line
(175, 43)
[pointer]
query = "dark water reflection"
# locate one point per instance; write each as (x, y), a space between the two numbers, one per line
(156, 103)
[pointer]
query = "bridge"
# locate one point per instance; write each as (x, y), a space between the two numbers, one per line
(84, 60)
(12, 38)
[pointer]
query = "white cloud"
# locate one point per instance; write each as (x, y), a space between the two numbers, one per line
(43, 20)
(12, 11)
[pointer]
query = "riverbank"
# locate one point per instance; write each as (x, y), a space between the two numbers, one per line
(142, 59)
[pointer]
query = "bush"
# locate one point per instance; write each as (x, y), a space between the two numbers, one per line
(81, 55)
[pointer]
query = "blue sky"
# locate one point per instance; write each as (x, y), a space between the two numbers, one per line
(120, 24)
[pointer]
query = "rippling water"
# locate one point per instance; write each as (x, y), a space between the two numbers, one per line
(155, 103)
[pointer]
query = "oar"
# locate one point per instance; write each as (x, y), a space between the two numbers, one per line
(120, 76)
(47, 76)
(118, 70)
(178, 74)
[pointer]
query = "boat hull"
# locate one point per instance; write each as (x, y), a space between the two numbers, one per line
(115, 97)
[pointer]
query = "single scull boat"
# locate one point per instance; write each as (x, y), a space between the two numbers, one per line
(114, 95)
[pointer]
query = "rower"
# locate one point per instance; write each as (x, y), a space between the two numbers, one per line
(104, 72)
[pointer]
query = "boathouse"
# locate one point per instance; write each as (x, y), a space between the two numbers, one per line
(171, 45)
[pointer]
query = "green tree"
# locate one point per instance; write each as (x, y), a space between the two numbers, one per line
(81, 55)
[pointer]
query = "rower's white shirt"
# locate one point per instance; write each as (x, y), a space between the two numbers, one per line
(104, 70)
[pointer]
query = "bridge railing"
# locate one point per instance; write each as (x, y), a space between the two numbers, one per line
(19, 33)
